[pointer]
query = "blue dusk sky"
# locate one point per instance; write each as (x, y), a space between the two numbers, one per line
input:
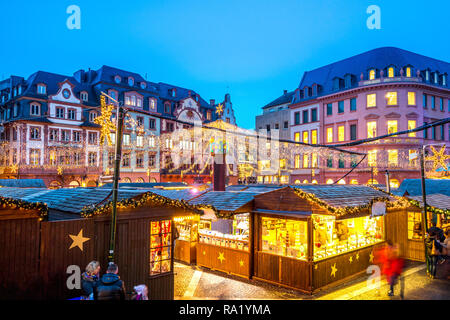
(251, 49)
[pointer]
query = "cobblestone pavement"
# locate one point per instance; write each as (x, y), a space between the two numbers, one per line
(196, 283)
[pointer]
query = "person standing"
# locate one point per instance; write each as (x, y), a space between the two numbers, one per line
(110, 287)
(141, 292)
(433, 251)
(89, 279)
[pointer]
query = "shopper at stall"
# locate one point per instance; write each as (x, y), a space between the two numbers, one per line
(433, 248)
(89, 279)
(110, 287)
(140, 292)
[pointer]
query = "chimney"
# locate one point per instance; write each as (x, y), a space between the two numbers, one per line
(219, 172)
(284, 91)
(189, 93)
(212, 102)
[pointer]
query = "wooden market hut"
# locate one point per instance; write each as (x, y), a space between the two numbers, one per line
(77, 231)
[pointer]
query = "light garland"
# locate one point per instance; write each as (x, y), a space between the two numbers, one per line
(40, 207)
(104, 120)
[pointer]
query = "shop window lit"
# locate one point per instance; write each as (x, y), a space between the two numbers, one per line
(372, 74)
(371, 100)
(283, 164)
(353, 181)
(393, 158)
(284, 179)
(228, 233)
(372, 158)
(391, 98)
(330, 134)
(264, 164)
(341, 133)
(412, 157)
(285, 237)
(297, 137)
(160, 246)
(414, 226)
(333, 237)
(342, 181)
(297, 182)
(305, 181)
(411, 98)
(372, 181)
(411, 125)
(371, 129)
(392, 126)
(391, 72)
(394, 183)
(314, 182)
(330, 181)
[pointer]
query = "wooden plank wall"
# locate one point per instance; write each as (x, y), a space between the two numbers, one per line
(235, 261)
(19, 255)
(281, 200)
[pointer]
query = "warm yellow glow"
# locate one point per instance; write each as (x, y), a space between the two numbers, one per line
(342, 181)
(305, 161)
(305, 137)
(314, 136)
(392, 126)
(411, 98)
(297, 161)
(371, 100)
(353, 181)
(330, 181)
(391, 72)
(314, 182)
(411, 125)
(394, 183)
(282, 164)
(412, 157)
(371, 129)
(408, 72)
(374, 181)
(297, 137)
(330, 134)
(104, 119)
(391, 98)
(341, 133)
(372, 74)
(372, 158)
(297, 181)
(314, 160)
(393, 157)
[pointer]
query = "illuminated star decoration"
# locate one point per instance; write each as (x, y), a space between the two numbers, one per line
(221, 257)
(357, 256)
(371, 257)
(219, 109)
(350, 259)
(14, 168)
(104, 119)
(60, 170)
(241, 263)
(316, 266)
(333, 270)
(78, 240)
(438, 158)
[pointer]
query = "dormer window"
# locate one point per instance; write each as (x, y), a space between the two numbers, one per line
(20, 90)
(84, 96)
(167, 108)
(35, 109)
(130, 81)
(174, 93)
(372, 74)
(444, 80)
(427, 75)
(436, 78)
(117, 79)
(390, 72)
(152, 103)
(143, 85)
(15, 92)
(408, 72)
(41, 89)
(92, 116)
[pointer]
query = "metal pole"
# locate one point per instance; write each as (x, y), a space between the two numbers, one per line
(118, 156)
(424, 200)
(388, 182)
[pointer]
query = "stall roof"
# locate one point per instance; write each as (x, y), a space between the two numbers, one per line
(185, 194)
(339, 196)
(148, 185)
(413, 187)
(224, 200)
(437, 200)
(256, 188)
(22, 183)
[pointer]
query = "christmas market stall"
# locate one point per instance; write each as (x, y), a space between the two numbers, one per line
(309, 237)
(78, 231)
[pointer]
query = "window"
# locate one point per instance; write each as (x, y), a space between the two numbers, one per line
(140, 121)
(305, 160)
(425, 100)
(372, 158)
(92, 138)
(35, 133)
(341, 106)
(139, 160)
(84, 96)
(283, 164)
(92, 116)
(412, 157)
(341, 133)
(415, 226)
(139, 102)
(52, 158)
(286, 124)
(208, 114)
(71, 114)
(117, 79)
(441, 104)
(151, 141)
(390, 72)
(160, 246)
(130, 81)
(60, 112)
(297, 118)
(391, 98)
(330, 161)
(139, 141)
(41, 89)
(305, 116)
(353, 128)
(297, 137)
(65, 135)
(14, 134)
(330, 134)
(371, 100)
(442, 132)
(152, 124)
(76, 136)
(35, 109)
(314, 160)
(408, 72)
(285, 237)
(433, 102)
(353, 104)
(92, 159)
(126, 160)
(411, 125)
(411, 98)
(341, 162)
(53, 135)
(425, 131)
(152, 104)
(268, 127)
(305, 137)
(314, 136)
(151, 160)
(353, 162)
(329, 109)
(15, 110)
(393, 158)
(372, 74)
(392, 126)
(126, 140)
(371, 129)
(297, 161)
(277, 126)
(313, 115)
(35, 157)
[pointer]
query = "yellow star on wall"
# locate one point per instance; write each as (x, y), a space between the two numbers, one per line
(333, 270)
(221, 257)
(350, 259)
(316, 266)
(78, 240)
(204, 252)
(438, 158)
(371, 257)
(241, 263)
(219, 109)
(357, 256)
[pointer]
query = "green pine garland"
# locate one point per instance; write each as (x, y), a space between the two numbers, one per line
(40, 207)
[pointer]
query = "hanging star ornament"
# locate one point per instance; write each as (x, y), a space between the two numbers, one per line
(14, 168)
(439, 158)
(104, 120)
(78, 240)
(219, 109)
(60, 170)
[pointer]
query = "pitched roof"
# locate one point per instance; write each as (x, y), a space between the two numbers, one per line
(224, 200)
(437, 200)
(378, 58)
(22, 183)
(413, 187)
(285, 98)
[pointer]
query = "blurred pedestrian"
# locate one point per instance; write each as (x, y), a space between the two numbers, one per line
(89, 279)
(110, 287)
(433, 249)
(140, 292)
(395, 268)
